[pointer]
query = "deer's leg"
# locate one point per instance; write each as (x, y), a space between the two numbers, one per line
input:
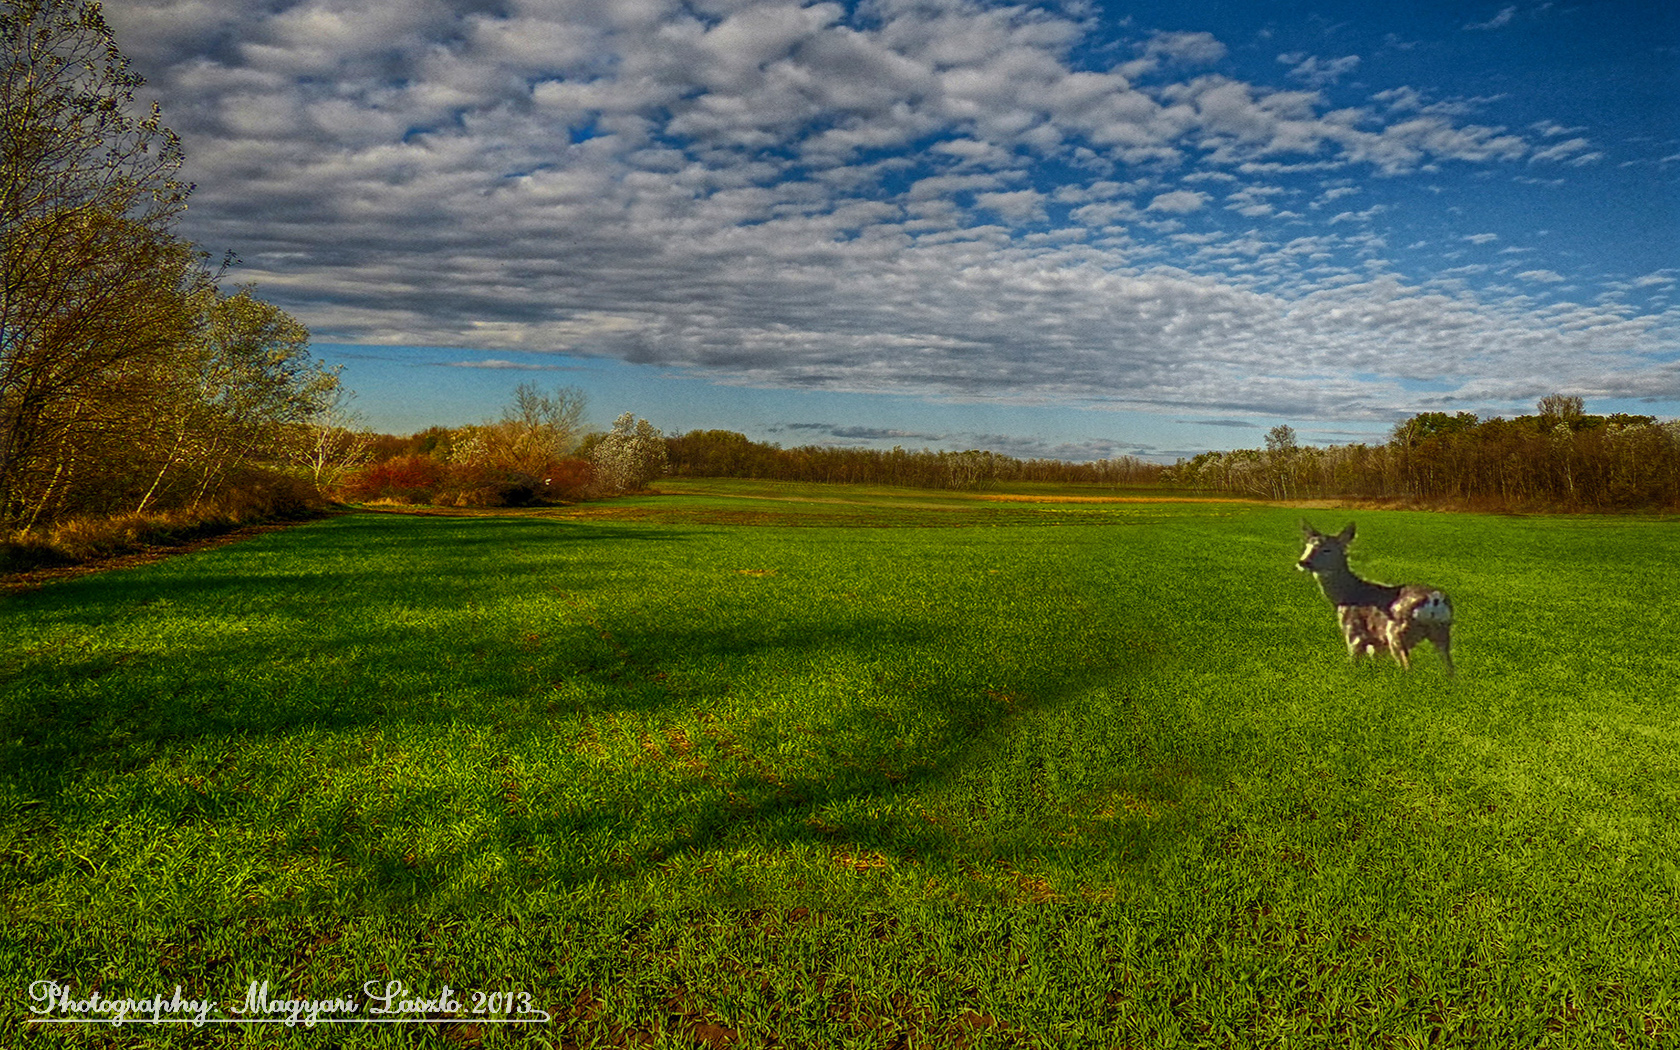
(1356, 646)
(1361, 640)
(1443, 643)
(1399, 644)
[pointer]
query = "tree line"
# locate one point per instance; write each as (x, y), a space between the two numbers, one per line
(727, 454)
(433, 464)
(1560, 458)
(131, 381)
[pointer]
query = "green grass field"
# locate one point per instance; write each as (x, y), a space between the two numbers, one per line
(744, 764)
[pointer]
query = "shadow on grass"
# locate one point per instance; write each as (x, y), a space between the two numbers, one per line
(77, 711)
(450, 551)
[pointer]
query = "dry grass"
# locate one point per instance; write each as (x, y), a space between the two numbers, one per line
(86, 539)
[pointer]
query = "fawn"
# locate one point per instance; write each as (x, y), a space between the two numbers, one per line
(1377, 617)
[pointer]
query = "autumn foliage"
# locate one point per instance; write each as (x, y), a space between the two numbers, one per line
(419, 478)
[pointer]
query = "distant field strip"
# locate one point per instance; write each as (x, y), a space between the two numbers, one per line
(1013, 497)
(1084, 773)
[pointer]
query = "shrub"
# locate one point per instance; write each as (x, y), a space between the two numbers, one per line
(251, 495)
(567, 479)
(409, 479)
(23, 551)
(422, 479)
(483, 485)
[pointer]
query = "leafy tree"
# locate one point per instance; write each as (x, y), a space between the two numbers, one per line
(236, 390)
(1282, 461)
(969, 470)
(95, 289)
(128, 380)
(1425, 425)
(1280, 440)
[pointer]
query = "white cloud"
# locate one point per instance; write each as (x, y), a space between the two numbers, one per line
(1334, 193)
(1560, 151)
(1541, 276)
(1359, 216)
(1481, 238)
(789, 195)
(1501, 19)
(1178, 202)
(1018, 206)
(1316, 71)
(1188, 49)
(495, 364)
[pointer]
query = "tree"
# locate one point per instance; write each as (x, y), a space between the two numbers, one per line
(1280, 440)
(629, 456)
(95, 288)
(536, 428)
(333, 443)
(1281, 455)
(1560, 408)
(237, 390)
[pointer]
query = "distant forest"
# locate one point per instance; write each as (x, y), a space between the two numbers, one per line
(1560, 458)
(728, 454)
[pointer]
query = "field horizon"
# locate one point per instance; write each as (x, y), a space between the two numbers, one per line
(771, 764)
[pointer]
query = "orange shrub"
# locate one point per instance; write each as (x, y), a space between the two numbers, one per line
(414, 478)
(567, 478)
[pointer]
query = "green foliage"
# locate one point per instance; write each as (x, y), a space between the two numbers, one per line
(1427, 424)
(1053, 774)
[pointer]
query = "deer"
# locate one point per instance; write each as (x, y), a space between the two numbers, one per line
(1377, 617)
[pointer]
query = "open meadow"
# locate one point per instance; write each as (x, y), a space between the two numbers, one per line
(750, 764)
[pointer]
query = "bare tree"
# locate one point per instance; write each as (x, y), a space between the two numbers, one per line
(334, 441)
(536, 428)
(1561, 408)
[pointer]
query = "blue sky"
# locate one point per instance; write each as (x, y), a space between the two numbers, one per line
(1071, 229)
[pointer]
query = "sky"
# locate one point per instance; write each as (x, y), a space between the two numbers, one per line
(1074, 229)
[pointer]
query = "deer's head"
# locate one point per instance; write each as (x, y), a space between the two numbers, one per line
(1324, 553)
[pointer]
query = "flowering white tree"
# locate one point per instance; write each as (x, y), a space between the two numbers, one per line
(629, 457)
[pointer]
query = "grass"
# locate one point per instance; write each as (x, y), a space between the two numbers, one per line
(750, 764)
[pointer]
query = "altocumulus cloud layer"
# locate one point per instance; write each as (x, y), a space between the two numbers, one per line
(947, 198)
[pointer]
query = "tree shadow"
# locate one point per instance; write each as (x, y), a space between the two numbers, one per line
(129, 706)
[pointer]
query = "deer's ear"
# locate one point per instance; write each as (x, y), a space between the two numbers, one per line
(1346, 535)
(1307, 531)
